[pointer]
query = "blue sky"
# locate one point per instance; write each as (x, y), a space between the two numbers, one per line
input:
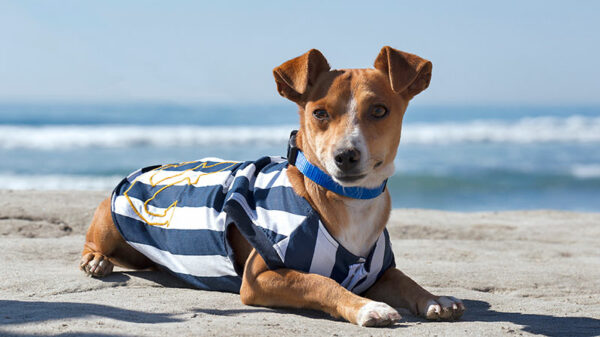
(503, 52)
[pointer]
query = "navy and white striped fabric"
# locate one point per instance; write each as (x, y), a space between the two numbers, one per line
(178, 216)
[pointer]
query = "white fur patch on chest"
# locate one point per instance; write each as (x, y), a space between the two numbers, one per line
(362, 230)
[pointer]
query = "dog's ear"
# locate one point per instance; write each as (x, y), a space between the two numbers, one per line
(295, 77)
(408, 73)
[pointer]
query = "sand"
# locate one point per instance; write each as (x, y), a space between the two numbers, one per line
(519, 273)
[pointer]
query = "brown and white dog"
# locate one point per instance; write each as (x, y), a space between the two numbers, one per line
(350, 125)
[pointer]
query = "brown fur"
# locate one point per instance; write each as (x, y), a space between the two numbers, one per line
(308, 81)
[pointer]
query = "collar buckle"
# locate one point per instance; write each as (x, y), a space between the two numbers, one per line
(292, 150)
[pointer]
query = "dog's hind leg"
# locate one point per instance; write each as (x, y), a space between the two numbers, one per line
(104, 246)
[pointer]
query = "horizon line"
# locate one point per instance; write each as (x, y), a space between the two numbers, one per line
(277, 104)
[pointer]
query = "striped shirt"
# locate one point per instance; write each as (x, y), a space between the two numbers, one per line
(178, 216)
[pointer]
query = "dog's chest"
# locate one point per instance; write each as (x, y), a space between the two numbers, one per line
(362, 227)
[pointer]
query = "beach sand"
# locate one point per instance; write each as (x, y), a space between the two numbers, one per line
(519, 273)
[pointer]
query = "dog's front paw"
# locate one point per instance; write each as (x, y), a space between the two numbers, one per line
(442, 308)
(95, 264)
(377, 314)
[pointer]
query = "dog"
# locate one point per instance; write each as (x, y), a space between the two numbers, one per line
(307, 231)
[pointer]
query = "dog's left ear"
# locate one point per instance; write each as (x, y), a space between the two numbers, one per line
(409, 74)
(295, 77)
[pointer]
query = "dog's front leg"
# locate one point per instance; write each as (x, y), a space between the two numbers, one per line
(294, 289)
(399, 290)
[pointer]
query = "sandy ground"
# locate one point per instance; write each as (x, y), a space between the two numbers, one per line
(519, 273)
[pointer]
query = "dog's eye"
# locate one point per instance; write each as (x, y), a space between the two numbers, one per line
(321, 114)
(379, 111)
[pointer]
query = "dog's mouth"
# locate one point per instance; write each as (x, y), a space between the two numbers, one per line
(353, 177)
(345, 178)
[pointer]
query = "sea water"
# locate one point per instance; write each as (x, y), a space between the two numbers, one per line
(451, 158)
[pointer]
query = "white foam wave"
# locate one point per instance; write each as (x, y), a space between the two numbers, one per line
(58, 182)
(115, 136)
(573, 129)
(586, 171)
(526, 130)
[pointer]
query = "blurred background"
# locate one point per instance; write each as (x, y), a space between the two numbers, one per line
(90, 91)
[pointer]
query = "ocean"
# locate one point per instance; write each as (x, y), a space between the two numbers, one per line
(451, 158)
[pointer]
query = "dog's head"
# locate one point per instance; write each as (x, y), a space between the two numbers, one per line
(350, 119)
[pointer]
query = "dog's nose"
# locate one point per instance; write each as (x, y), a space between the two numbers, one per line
(347, 159)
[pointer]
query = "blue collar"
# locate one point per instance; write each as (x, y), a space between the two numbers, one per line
(312, 172)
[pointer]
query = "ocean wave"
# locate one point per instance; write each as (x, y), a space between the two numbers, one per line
(586, 171)
(573, 129)
(58, 182)
(118, 136)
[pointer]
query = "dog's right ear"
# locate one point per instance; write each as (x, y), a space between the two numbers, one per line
(295, 77)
